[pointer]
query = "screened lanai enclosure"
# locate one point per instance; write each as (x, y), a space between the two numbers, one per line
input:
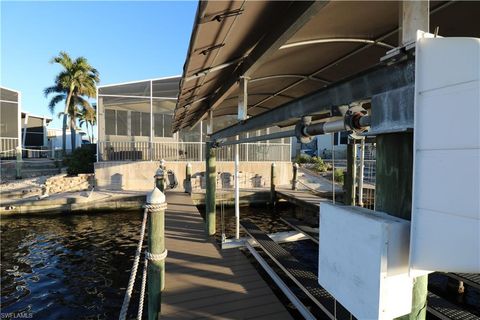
(9, 122)
(135, 124)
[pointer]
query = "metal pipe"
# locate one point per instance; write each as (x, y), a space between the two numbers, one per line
(271, 136)
(334, 40)
(237, 192)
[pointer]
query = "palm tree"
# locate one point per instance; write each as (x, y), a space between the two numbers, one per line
(77, 80)
(88, 116)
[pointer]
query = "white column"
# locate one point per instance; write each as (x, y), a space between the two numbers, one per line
(45, 133)
(210, 122)
(242, 115)
(237, 192)
(414, 16)
(201, 141)
(150, 145)
(25, 123)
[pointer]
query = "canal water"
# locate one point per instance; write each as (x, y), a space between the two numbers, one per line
(78, 266)
(67, 267)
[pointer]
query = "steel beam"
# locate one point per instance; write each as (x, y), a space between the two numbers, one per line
(362, 86)
(299, 13)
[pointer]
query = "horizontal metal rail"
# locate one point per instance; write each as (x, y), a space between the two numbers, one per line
(189, 151)
(363, 86)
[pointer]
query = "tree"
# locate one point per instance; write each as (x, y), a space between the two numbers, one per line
(88, 116)
(76, 82)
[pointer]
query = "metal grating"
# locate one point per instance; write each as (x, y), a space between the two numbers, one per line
(304, 276)
(446, 310)
(471, 279)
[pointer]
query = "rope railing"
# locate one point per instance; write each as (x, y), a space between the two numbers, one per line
(152, 209)
(133, 273)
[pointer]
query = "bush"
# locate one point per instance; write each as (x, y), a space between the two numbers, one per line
(303, 158)
(80, 161)
(319, 165)
(338, 174)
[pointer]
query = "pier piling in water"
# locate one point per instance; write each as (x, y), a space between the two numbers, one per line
(272, 185)
(295, 176)
(188, 178)
(160, 179)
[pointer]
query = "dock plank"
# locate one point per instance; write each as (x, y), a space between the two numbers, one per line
(202, 281)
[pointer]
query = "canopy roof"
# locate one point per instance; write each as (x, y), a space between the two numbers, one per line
(289, 49)
(161, 88)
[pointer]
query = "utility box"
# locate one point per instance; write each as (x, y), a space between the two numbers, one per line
(363, 261)
(445, 233)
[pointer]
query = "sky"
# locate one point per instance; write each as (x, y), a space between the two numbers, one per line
(125, 41)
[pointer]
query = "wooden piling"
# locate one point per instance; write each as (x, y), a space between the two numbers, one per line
(188, 178)
(156, 248)
(295, 176)
(394, 172)
(351, 173)
(211, 186)
(272, 185)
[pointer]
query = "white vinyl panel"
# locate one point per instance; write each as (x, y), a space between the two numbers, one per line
(451, 183)
(440, 246)
(363, 261)
(445, 232)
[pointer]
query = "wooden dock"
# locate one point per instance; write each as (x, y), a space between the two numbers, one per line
(301, 198)
(202, 281)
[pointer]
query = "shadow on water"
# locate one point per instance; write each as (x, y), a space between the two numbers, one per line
(68, 267)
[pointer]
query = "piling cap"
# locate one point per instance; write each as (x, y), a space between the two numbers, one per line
(155, 197)
(159, 173)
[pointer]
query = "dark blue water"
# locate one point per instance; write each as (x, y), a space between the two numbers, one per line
(67, 267)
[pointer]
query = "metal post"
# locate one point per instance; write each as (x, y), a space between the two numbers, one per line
(272, 184)
(211, 186)
(295, 176)
(361, 171)
(237, 193)
(333, 168)
(188, 178)
(351, 171)
(201, 141)
(150, 145)
(157, 253)
(19, 162)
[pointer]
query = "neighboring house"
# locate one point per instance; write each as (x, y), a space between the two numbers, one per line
(34, 131)
(135, 123)
(55, 139)
(10, 134)
(324, 145)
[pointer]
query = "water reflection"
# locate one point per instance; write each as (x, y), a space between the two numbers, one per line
(67, 267)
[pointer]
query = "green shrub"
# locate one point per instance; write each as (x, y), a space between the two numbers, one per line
(303, 158)
(319, 165)
(338, 174)
(80, 161)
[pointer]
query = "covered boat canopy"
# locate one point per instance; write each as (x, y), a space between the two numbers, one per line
(289, 49)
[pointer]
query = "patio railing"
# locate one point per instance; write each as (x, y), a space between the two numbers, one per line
(7, 147)
(189, 151)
